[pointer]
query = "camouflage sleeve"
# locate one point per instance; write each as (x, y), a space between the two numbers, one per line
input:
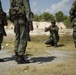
(49, 28)
(57, 28)
(11, 3)
(27, 9)
(72, 10)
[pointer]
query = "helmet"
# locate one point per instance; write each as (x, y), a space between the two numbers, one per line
(53, 21)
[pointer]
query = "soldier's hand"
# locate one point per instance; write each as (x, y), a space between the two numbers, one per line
(30, 25)
(45, 29)
(5, 23)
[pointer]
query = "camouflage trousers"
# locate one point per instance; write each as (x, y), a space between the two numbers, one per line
(74, 34)
(1, 40)
(52, 39)
(20, 37)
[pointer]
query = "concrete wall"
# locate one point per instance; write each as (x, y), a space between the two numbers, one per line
(39, 25)
(42, 25)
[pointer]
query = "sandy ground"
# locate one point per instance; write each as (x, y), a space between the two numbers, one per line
(51, 57)
(56, 62)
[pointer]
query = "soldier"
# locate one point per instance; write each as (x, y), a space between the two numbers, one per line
(54, 37)
(3, 22)
(73, 20)
(20, 16)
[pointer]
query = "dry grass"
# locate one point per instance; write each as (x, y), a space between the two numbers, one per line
(37, 46)
(66, 68)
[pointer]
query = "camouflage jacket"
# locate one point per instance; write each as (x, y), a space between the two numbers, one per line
(53, 30)
(23, 4)
(2, 19)
(72, 11)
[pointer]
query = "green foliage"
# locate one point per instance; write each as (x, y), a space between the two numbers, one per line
(36, 18)
(59, 16)
(65, 17)
(43, 17)
(47, 17)
(67, 23)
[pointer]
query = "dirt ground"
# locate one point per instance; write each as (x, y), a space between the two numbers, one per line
(51, 63)
(49, 60)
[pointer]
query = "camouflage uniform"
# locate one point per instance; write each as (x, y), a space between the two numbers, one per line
(2, 30)
(54, 37)
(73, 20)
(20, 19)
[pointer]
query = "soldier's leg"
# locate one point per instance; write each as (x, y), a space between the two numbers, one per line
(23, 40)
(22, 45)
(17, 37)
(74, 37)
(53, 43)
(1, 40)
(55, 40)
(49, 41)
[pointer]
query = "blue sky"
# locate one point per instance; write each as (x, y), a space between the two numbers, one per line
(40, 6)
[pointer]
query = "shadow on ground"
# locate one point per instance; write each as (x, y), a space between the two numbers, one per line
(43, 59)
(36, 59)
(59, 45)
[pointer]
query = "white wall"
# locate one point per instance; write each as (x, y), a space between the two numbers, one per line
(42, 25)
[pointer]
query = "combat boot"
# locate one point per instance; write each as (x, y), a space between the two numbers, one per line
(52, 44)
(55, 45)
(1, 60)
(16, 56)
(21, 60)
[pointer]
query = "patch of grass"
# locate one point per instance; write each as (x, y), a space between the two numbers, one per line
(37, 47)
(65, 68)
(37, 44)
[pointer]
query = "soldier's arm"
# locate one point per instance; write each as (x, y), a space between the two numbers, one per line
(55, 28)
(11, 6)
(48, 28)
(27, 9)
(11, 3)
(29, 14)
(72, 10)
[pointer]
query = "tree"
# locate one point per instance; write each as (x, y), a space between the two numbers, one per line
(67, 23)
(47, 16)
(65, 17)
(36, 18)
(59, 16)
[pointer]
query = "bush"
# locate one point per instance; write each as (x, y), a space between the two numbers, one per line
(67, 23)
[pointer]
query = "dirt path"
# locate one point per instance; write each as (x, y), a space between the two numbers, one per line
(50, 57)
